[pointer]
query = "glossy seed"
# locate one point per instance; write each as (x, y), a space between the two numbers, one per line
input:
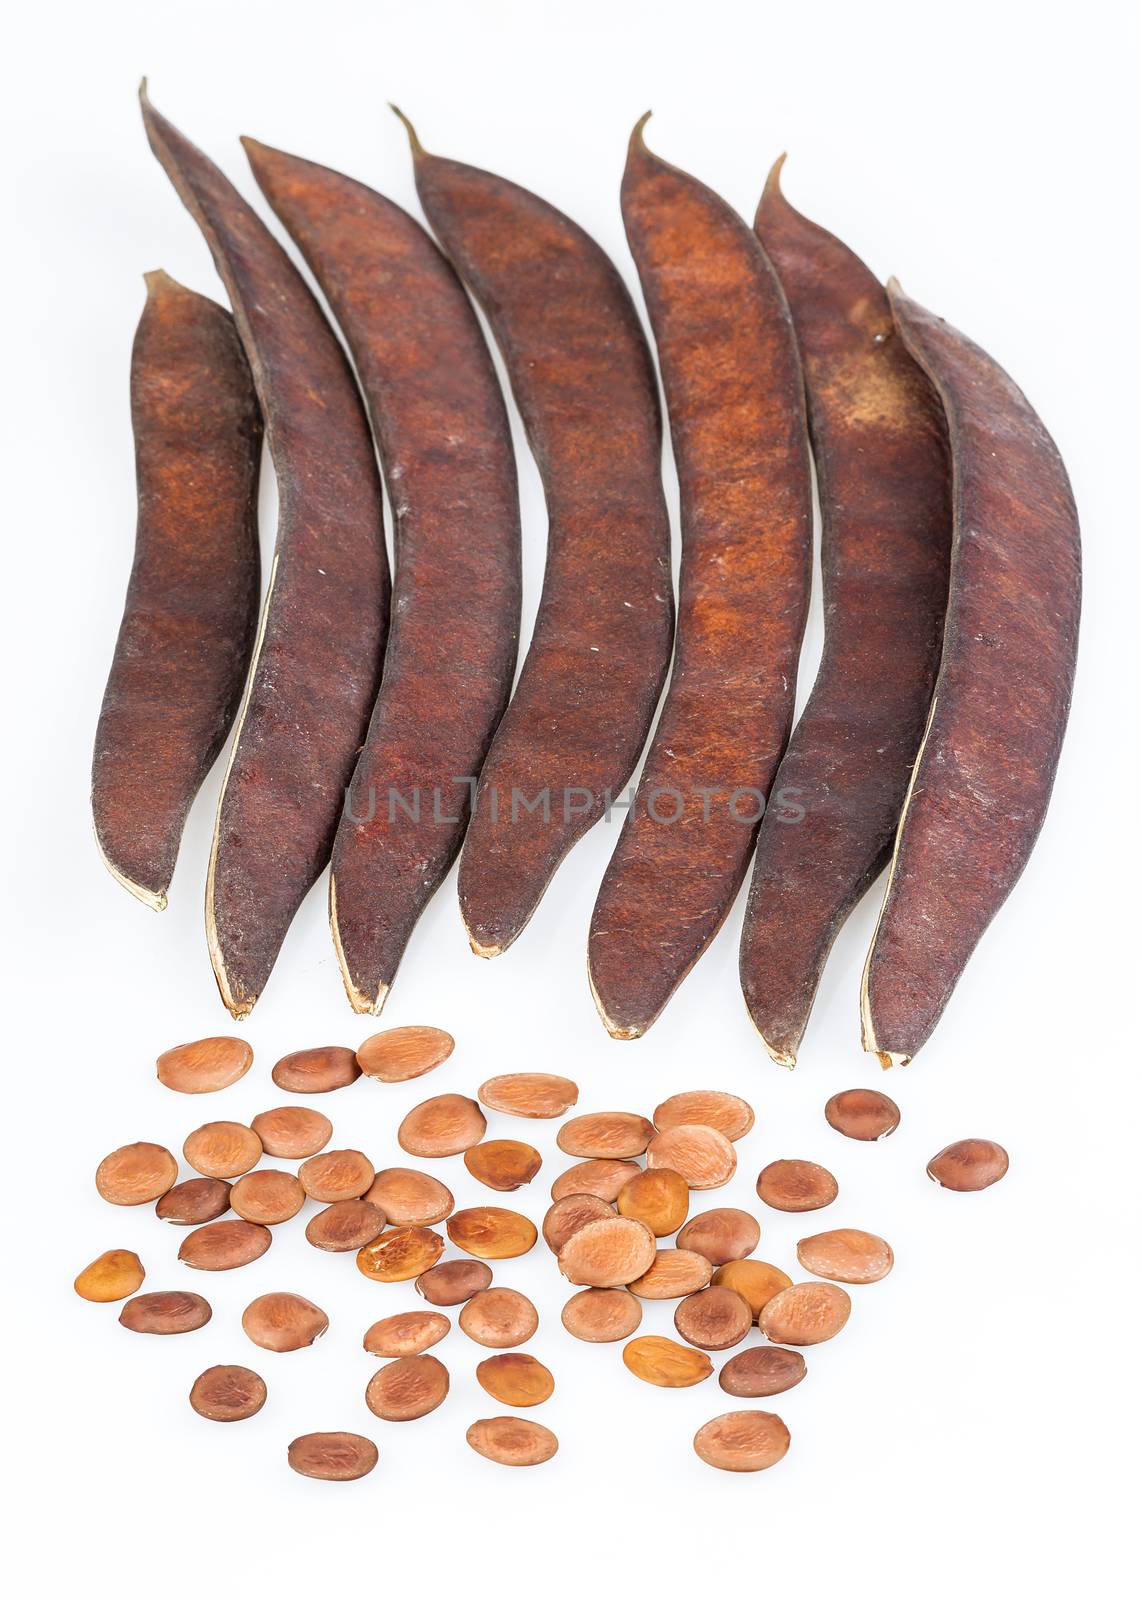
(397, 1054)
(222, 1149)
(491, 1232)
(512, 1441)
(714, 1319)
(446, 1125)
(267, 1196)
(291, 1133)
(399, 1254)
(410, 1199)
(658, 1197)
(724, 1234)
(515, 1379)
(222, 1246)
(333, 1457)
(283, 1322)
(165, 1311)
(605, 1135)
(503, 1164)
(756, 1281)
(407, 1388)
(846, 1255)
(703, 1156)
(205, 1065)
(529, 1094)
(194, 1201)
(671, 1274)
(665, 1362)
(227, 1394)
(603, 1179)
(336, 1175)
(862, 1114)
(709, 1108)
(807, 1313)
(742, 1441)
(452, 1282)
(969, 1164)
(568, 1215)
(499, 1318)
(112, 1276)
(316, 1071)
(135, 1174)
(409, 1333)
(600, 1316)
(796, 1186)
(346, 1225)
(608, 1254)
(761, 1371)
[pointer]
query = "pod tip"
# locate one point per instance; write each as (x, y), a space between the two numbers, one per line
(617, 1030)
(783, 1058)
(484, 951)
(143, 88)
(413, 139)
(159, 281)
(773, 181)
(637, 142)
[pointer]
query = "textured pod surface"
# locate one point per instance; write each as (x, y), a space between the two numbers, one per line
(409, 1333)
(407, 1388)
(884, 484)
(584, 384)
(794, 1185)
(267, 1197)
(806, 1313)
(658, 1198)
(665, 1362)
(316, 1070)
(165, 1311)
(529, 1094)
(292, 1132)
(499, 1318)
(397, 1054)
(969, 1164)
(764, 1370)
(983, 777)
(227, 1394)
(283, 1322)
(317, 660)
(607, 1254)
(565, 1217)
(503, 1164)
(410, 1199)
(222, 1246)
(194, 1201)
(863, 1114)
(446, 1125)
(734, 396)
(515, 1379)
(712, 1108)
(724, 1234)
(336, 1175)
(742, 1441)
(334, 1457)
(492, 1232)
(445, 445)
(136, 1173)
(714, 1319)
(112, 1276)
(192, 601)
(345, 1225)
(605, 1135)
(512, 1441)
(399, 1254)
(450, 1283)
(756, 1281)
(846, 1255)
(703, 1156)
(601, 1316)
(204, 1065)
(671, 1274)
(222, 1149)
(603, 1179)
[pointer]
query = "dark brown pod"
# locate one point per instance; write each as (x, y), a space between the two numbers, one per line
(864, 1114)
(333, 1457)
(346, 1225)
(317, 1070)
(165, 1311)
(761, 1371)
(317, 659)
(584, 383)
(222, 1246)
(884, 483)
(407, 1388)
(445, 444)
(984, 773)
(192, 600)
(969, 1164)
(227, 1394)
(450, 1283)
(195, 1201)
(736, 405)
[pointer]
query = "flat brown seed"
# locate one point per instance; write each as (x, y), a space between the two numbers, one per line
(112, 1276)
(512, 1441)
(491, 1232)
(724, 1234)
(267, 1196)
(515, 1379)
(658, 1197)
(714, 1319)
(529, 1094)
(399, 1254)
(410, 1199)
(194, 1201)
(283, 1322)
(761, 1371)
(165, 1311)
(135, 1174)
(605, 1135)
(227, 1394)
(446, 1125)
(703, 1156)
(222, 1149)
(316, 1071)
(333, 1457)
(570, 1214)
(742, 1441)
(862, 1114)
(603, 1179)
(756, 1281)
(346, 1225)
(409, 1333)
(672, 1274)
(452, 1282)
(291, 1133)
(709, 1108)
(397, 1054)
(222, 1246)
(407, 1388)
(608, 1254)
(796, 1186)
(807, 1313)
(968, 1165)
(600, 1316)
(336, 1175)
(503, 1164)
(499, 1318)
(205, 1065)
(665, 1362)
(846, 1255)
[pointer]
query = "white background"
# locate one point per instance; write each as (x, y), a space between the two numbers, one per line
(973, 1429)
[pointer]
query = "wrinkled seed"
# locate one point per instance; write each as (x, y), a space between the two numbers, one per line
(397, 1054)
(529, 1094)
(703, 1156)
(135, 1174)
(282, 1322)
(205, 1065)
(316, 1071)
(227, 1394)
(796, 1186)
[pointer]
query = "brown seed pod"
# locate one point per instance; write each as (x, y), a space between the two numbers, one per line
(112, 1276)
(846, 1255)
(608, 1254)
(724, 1234)
(165, 1311)
(267, 1196)
(512, 1441)
(761, 1371)
(503, 1164)
(192, 601)
(452, 1282)
(756, 1281)
(407, 1388)
(665, 1362)
(709, 1108)
(600, 1316)
(671, 1274)
(659, 1198)
(222, 1149)
(410, 1199)
(969, 1164)
(499, 1318)
(336, 1175)
(194, 1201)
(397, 1054)
(292, 1133)
(605, 1135)
(704, 1157)
(283, 1322)
(730, 368)
(222, 1246)
(446, 1125)
(346, 1225)
(491, 1232)
(570, 1214)
(515, 1379)
(862, 1114)
(227, 1394)
(135, 1174)
(807, 1313)
(400, 1254)
(327, 607)
(409, 1333)
(796, 1186)
(317, 1070)
(742, 1441)
(714, 1319)
(205, 1065)
(529, 1094)
(603, 1179)
(333, 1457)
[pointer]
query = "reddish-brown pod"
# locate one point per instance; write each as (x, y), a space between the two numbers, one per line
(736, 405)
(194, 1201)
(407, 1388)
(192, 600)
(883, 479)
(317, 658)
(969, 1164)
(863, 1114)
(164, 1312)
(333, 1457)
(984, 773)
(582, 377)
(228, 1394)
(318, 1070)
(742, 1441)
(445, 444)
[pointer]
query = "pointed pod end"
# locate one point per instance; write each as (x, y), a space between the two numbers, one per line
(414, 143)
(637, 142)
(772, 189)
(158, 282)
(143, 96)
(484, 951)
(783, 1058)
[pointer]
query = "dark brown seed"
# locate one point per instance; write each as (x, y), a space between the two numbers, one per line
(503, 1164)
(796, 1186)
(491, 1232)
(222, 1149)
(724, 1234)
(165, 1311)
(409, 1333)
(346, 1225)
(846, 1255)
(710, 1108)
(407, 1388)
(969, 1164)
(529, 1094)
(515, 1379)
(446, 1125)
(410, 1199)
(452, 1282)
(666, 1363)
(863, 1114)
(135, 1174)
(512, 1441)
(659, 1198)
(570, 1214)
(268, 1197)
(397, 1054)
(756, 1281)
(742, 1441)
(400, 1254)
(499, 1318)
(227, 1394)
(336, 1175)
(761, 1371)
(603, 1179)
(600, 1316)
(205, 1065)
(112, 1276)
(316, 1071)
(608, 1254)
(807, 1313)
(194, 1201)
(704, 1157)
(292, 1133)
(221, 1246)
(713, 1319)
(605, 1135)
(671, 1274)
(283, 1322)
(334, 1457)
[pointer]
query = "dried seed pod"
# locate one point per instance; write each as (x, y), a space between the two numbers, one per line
(658, 1197)
(704, 1157)
(165, 1311)
(846, 1255)
(570, 1214)
(607, 1254)
(397, 1054)
(205, 1065)
(222, 1246)
(283, 1322)
(605, 1135)
(346, 1225)
(194, 1201)
(796, 1186)
(292, 1132)
(446, 1125)
(135, 1174)
(515, 1379)
(512, 1441)
(761, 1371)
(862, 1114)
(807, 1313)
(529, 1094)
(400, 1254)
(491, 1232)
(407, 1388)
(452, 1282)
(969, 1164)
(714, 1319)
(710, 1108)
(227, 1394)
(665, 1362)
(409, 1333)
(267, 1196)
(742, 1441)
(192, 602)
(336, 1175)
(724, 1234)
(503, 1164)
(112, 1276)
(327, 607)
(222, 1149)
(499, 1318)
(756, 1281)
(600, 1316)
(410, 1199)
(603, 1179)
(317, 1070)
(671, 1274)
(333, 1457)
